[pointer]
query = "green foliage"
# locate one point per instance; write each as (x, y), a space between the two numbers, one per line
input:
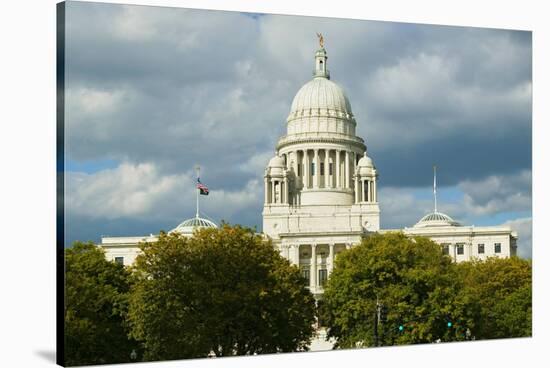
(432, 298)
(95, 306)
(225, 291)
(502, 289)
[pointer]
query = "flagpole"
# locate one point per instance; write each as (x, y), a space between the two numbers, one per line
(435, 190)
(198, 169)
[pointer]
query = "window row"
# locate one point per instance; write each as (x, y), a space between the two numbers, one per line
(480, 248)
(321, 279)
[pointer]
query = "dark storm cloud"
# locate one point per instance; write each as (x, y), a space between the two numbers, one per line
(171, 88)
(194, 79)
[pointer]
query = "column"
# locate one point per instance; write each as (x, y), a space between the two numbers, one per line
(297, 254)
(371, 191)
(326, 168)
(346, 182)
(317, 171)
(337, 169)
(306, 169)
(331, 258)
(368, 191)
(374, 190)
(356, 189)
(313, 268)
(295, 166)
(285, 191)
(266, 188)
(353, 158)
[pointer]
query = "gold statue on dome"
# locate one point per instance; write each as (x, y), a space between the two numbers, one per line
(321, 40)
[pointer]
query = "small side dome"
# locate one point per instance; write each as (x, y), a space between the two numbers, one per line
(188, 226)
(365, 166)
(276, 166)
(276, 161)
(436, 219)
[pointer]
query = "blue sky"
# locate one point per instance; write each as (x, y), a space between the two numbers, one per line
(153, 91)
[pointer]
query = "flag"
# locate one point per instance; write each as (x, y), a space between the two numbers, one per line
(203, 188)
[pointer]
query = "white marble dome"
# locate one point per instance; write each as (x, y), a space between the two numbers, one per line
(276, 166)
(276, 161)
(365, 166)
(324, 95)
(188, 226)
(320, 106)
(436, 219)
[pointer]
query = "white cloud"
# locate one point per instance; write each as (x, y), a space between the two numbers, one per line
(126, 191)
(257, 163)
(399, 207)
(174, 87)
(524, 228)
(141, 191)
(498, 193)
(92, 101)
(490, 196)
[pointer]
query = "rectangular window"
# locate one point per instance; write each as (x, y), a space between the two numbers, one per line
(119, 260)
(305, 274)
(330, 168)
(313, 168)
(480, 248)
(299, 169)
(497, 248)
(323, 277)
(322, 168)
(460, 249)
(445, 249)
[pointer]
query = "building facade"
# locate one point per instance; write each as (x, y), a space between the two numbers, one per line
(125, 249)
(321, 193)
(321, 189)
(464, 243)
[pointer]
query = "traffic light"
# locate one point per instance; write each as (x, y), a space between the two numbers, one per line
(449, 321)
(401, 328)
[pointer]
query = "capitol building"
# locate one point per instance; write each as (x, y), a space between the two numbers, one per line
(321, 194)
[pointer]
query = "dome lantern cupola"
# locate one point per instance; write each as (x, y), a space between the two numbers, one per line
(321, 70)
(321, 60)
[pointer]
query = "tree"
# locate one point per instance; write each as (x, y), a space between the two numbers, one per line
(95, 305)
(502, 289)
(411, 278)
(225, 291)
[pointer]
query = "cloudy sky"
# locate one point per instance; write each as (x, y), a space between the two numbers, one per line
(152, 91)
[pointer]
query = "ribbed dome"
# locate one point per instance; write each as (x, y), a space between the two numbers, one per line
(276, 161)
(188, 226)
(436, 219)
(322, 95)
(365, 166)
(276, 166)
(320, 107)
(365, 161)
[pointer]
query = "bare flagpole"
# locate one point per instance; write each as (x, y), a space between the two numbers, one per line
(198, 169)
(435, 190)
